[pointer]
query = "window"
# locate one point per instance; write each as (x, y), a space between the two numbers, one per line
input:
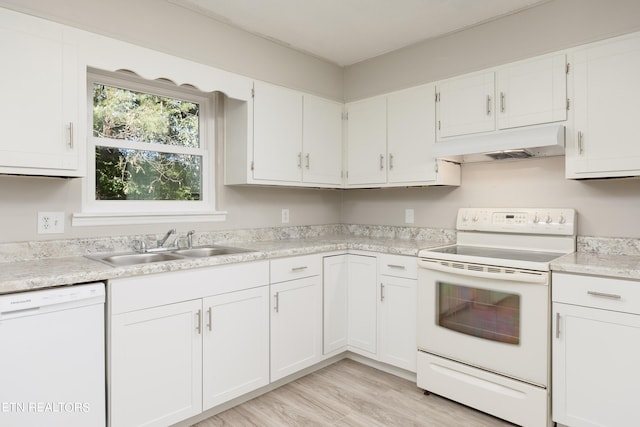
(151, 148)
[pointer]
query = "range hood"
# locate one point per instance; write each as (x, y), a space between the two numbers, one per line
(530, 141)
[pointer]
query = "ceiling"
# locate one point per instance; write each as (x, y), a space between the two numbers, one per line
(349, 31)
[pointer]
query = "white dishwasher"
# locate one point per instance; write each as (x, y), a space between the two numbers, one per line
(52, 369)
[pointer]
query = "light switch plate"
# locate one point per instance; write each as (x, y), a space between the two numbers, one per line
(285, 216)
(50, 222)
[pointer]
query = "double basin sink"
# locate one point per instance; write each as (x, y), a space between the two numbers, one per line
(135, 258)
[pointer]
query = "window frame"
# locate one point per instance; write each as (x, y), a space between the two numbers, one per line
(99, 212)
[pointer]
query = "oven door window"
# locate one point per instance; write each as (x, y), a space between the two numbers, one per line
(482, 313)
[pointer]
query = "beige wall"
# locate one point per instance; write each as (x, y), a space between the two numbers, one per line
(551, 26)
(606, 207)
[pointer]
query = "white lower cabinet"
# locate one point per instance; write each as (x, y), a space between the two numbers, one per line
(235, 345)
(156, 365)
(296, 315)
(174, 352)
(596, 331)
(370, 307)
(335, 303)
(397, 310)
(362, 305)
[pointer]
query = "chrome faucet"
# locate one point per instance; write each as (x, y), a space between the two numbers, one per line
(190, 239)
(162, 241)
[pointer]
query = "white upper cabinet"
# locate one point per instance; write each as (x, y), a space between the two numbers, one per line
(277, 133)
(466, 105)
(39, 82)
(390, 141)
(604, 139)
(321, 141)
(532, 92)
(411, 133)
(294, 139)
(367, 141)
(525, 93)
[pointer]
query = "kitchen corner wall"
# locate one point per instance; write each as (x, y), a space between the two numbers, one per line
(605, 207)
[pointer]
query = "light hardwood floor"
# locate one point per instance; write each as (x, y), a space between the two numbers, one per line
(349, 393)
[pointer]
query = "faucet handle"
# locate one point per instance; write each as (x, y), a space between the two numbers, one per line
(190, 238)
(141, 245)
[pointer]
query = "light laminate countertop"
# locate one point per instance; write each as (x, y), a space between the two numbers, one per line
(49, 272)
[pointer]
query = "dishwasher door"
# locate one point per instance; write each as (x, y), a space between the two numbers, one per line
(52, 364)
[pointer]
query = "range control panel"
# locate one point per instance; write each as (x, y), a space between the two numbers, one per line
(521, 220)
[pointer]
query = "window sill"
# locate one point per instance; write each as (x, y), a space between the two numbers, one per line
(86, 219)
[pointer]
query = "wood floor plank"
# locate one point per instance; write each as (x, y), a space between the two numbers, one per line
(349, 393)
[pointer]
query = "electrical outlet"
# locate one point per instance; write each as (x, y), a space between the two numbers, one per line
(50, 222)
(285, 216)
(408, 216)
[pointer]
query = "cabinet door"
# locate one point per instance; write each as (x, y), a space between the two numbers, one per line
(363, 304)
(335, 287)
(39, 110)
(235, 345)
(606, 110)
(277, 133)
(322, 141)
(367, 141)
(156, 365)
(398, 322)
(532, 92)
(596, 376)
(466, 105)
(411, 127)
(296, 325)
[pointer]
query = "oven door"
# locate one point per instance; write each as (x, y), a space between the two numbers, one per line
(489, 317)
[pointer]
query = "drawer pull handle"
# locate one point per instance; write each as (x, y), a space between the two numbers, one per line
(402, 267)
(603, 295)
(381, 292)
(276, 298)
(304, 267)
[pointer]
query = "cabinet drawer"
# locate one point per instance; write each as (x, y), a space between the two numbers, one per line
(398, 266)
(295, 268)
(598, 292)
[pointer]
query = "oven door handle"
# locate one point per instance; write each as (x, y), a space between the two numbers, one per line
(499, 274)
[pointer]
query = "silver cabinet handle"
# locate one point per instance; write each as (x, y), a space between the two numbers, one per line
(488, 105)
(381, 162)
(307, 159)
(402, 267)
(381, 292)
(557, 325)
(390, 161)
(603, 295)
(502, 103)
(276, 298)
(209, 319)
(199, 321)
(299, 160)
(580, 145)
(71, 135)
(301, 268)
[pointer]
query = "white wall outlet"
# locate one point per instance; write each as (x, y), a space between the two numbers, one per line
(285, 216)
(50, 222)
(408, 216)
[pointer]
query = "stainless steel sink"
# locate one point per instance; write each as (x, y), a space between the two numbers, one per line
(207, 251)
(137, 258)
